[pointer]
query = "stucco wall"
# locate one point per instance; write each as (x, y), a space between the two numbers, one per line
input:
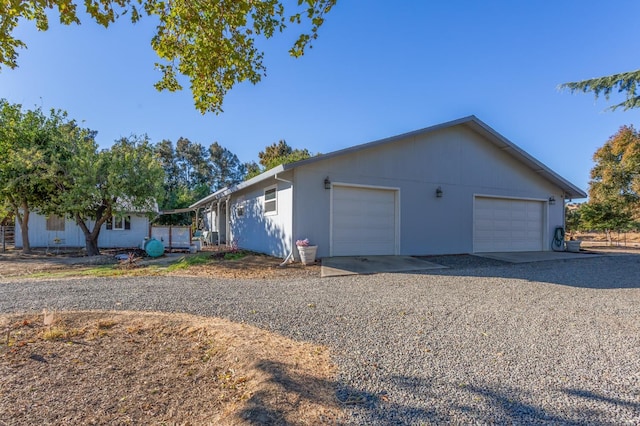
(457, 159)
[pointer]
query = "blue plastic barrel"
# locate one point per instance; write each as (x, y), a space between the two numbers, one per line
(154, 248)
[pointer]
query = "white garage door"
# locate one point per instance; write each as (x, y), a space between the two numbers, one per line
(507, 225)
(363, 221)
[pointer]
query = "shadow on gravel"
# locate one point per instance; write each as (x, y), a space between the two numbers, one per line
(471, 404)
(289, 392)
(605, 272)
(635, 406)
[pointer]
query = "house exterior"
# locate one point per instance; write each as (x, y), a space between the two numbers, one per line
(53, 231)
(457, 187)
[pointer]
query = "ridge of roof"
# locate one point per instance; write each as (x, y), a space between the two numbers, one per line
(471, 122)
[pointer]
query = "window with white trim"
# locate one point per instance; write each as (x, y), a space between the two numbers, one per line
(119, 223)
(271, 200)
(55, 223)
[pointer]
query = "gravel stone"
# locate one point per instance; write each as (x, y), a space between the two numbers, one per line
(480, 343)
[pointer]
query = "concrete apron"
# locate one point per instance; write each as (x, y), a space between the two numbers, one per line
(536, 256)
(357, 265)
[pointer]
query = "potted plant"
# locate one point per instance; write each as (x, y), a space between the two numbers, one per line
(307, 251)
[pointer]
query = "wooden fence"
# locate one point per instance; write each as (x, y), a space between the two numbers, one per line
(7, 236)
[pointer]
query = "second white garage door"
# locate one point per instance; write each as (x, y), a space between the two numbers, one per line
(507, 225)
(363, 221)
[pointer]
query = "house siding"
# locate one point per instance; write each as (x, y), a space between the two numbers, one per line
(456, 159)
(269, 233)
(72, 236)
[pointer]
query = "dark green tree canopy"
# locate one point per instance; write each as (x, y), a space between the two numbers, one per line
(192, 172)
(626, 82)
(29, 142)
(93, 186)
(281, 153)
(212, 43)
(274, 155)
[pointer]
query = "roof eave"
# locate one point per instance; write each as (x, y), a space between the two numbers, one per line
(222, 193)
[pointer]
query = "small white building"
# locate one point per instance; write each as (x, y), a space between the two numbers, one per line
(53, 231)
(457, 187)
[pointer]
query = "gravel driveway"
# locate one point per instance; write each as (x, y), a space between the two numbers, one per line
(553, 342)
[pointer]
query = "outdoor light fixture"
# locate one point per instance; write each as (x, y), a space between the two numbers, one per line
(552, 200)
(439, 192)
(327, 183)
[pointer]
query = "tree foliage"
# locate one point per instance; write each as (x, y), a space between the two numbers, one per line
(226, 168)
(211, 43)
(614, 189)
(626, 82)
(94, 186)
(193, 172)
(274, 155)
(607, 216)
(616, 174)
(28, 141)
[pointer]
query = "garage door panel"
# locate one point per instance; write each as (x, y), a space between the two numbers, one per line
(507, 225)
(364, 221)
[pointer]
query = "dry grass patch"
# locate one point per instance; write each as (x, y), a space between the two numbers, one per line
(135, 368)
(251, 266)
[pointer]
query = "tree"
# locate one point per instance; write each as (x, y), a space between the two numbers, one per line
(606, 216)
(615, 184)
(192, 164)
(28, 140)
(95, 186)
(573, 218)
(226, 168)
(274, 155)
(626, 82)
(192, 172)
(616, 174)
(211, 43)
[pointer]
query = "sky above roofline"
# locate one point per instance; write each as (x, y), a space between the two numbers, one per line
(377, 70)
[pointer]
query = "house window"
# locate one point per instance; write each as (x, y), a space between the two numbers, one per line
(55, 223)
(119, 223)
(270, 200)
(240, 211)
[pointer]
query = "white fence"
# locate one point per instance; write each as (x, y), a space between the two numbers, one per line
(173, 237)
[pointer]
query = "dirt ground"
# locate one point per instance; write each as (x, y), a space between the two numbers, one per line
(133, 368)
(599, 239)
(14, 264)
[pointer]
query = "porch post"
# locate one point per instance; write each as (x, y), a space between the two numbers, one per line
(218, 221)
(228, 217)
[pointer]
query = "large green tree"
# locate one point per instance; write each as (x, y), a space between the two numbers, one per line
(212, 43)
(614, 189)
(607, 216)
(616, 173)
(626, 83)
(226, 168)
(28, 140)
(193, 172)
(95, 186)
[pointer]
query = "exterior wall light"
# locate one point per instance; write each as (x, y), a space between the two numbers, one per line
(552, 200)
(327, 183)
(439, 192)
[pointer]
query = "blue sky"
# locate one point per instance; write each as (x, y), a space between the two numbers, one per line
(379, 68)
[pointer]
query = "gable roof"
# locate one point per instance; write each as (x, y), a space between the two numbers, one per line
(471, 122)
